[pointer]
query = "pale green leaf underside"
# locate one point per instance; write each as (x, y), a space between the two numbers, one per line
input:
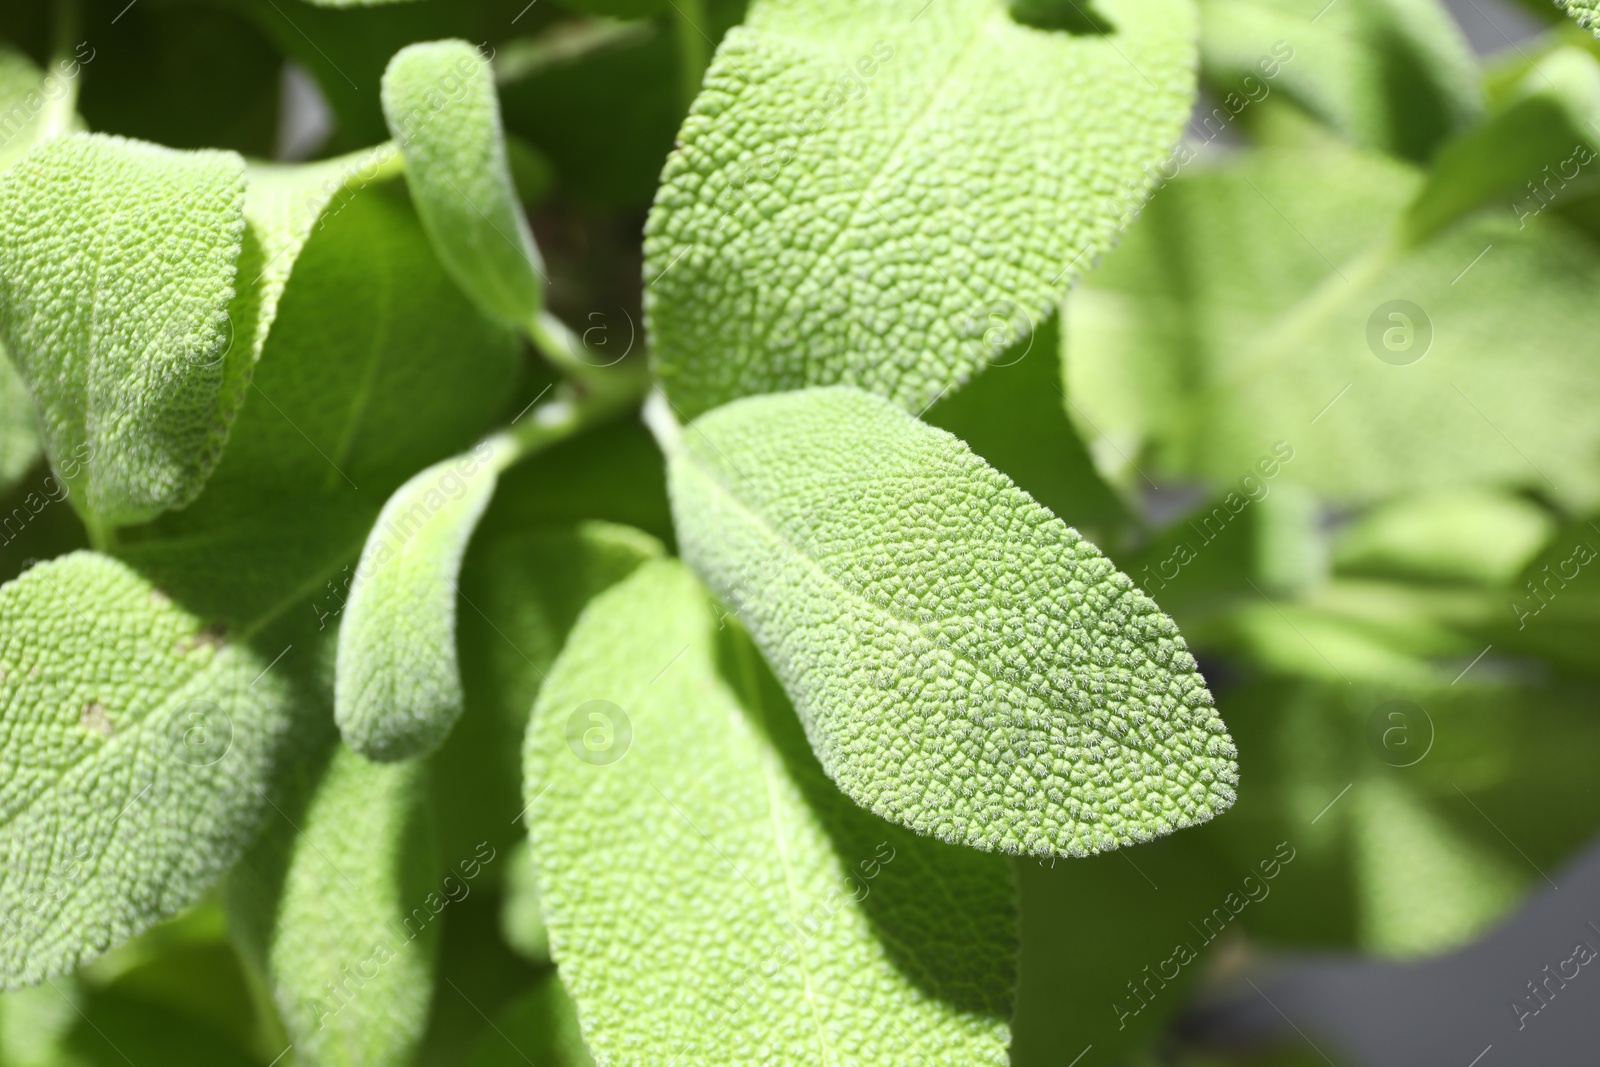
(283, 204)
(965, 663)
(335, 909)
(398, 688)
(887, 194)
(439, 101)
(136, 744)
(1290, 257)
(711, 898)
(117, 263)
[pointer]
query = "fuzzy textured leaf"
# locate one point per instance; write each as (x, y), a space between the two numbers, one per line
(117, 263)
(440, 104)
(964, 662)
(333, 907)
(138, 739)
(398, 688)
(1585, 12)
(711, 897)
(886, 195)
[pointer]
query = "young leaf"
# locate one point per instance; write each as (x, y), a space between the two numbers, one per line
(117, 264)
(141, 743)
(964, 662)
(398, 688)
(885, 195)
(711, 897)
(1395, 75)
(439, 100)
(337, 910)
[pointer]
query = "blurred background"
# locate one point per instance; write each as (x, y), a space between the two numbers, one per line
(1388, 575)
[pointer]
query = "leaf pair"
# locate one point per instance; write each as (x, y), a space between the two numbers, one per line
(710, 896)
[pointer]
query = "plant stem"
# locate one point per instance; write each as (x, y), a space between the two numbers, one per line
(569, 413)
(694, 45)
(567, 351)
(58, 112)
(102, 535)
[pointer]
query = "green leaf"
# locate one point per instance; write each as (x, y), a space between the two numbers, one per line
(1395, 75)
(1015, 416)
(1585, 12)
(439, 101)
(1526, 154)
(376, 366)
(964, 662)
(398, 688)
(1473, 536)
(710, 896)
(888, 195)
(29, 103)
(19, 437)
(522, 587)
(1280, 331)
(117, 263)
(142, 740)
(540, 1027)
(337, 907)
(521, 913)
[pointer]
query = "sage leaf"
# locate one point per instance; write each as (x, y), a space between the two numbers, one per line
(523, 586)
(117, 263)
(19, 438)
(887, 195)
(1394, 75)
(701, 878)
(1585, 12)
(338, 911)
(964, 662)
(141, 744)
(439, 101)
(1315, 331)
(398, 686)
